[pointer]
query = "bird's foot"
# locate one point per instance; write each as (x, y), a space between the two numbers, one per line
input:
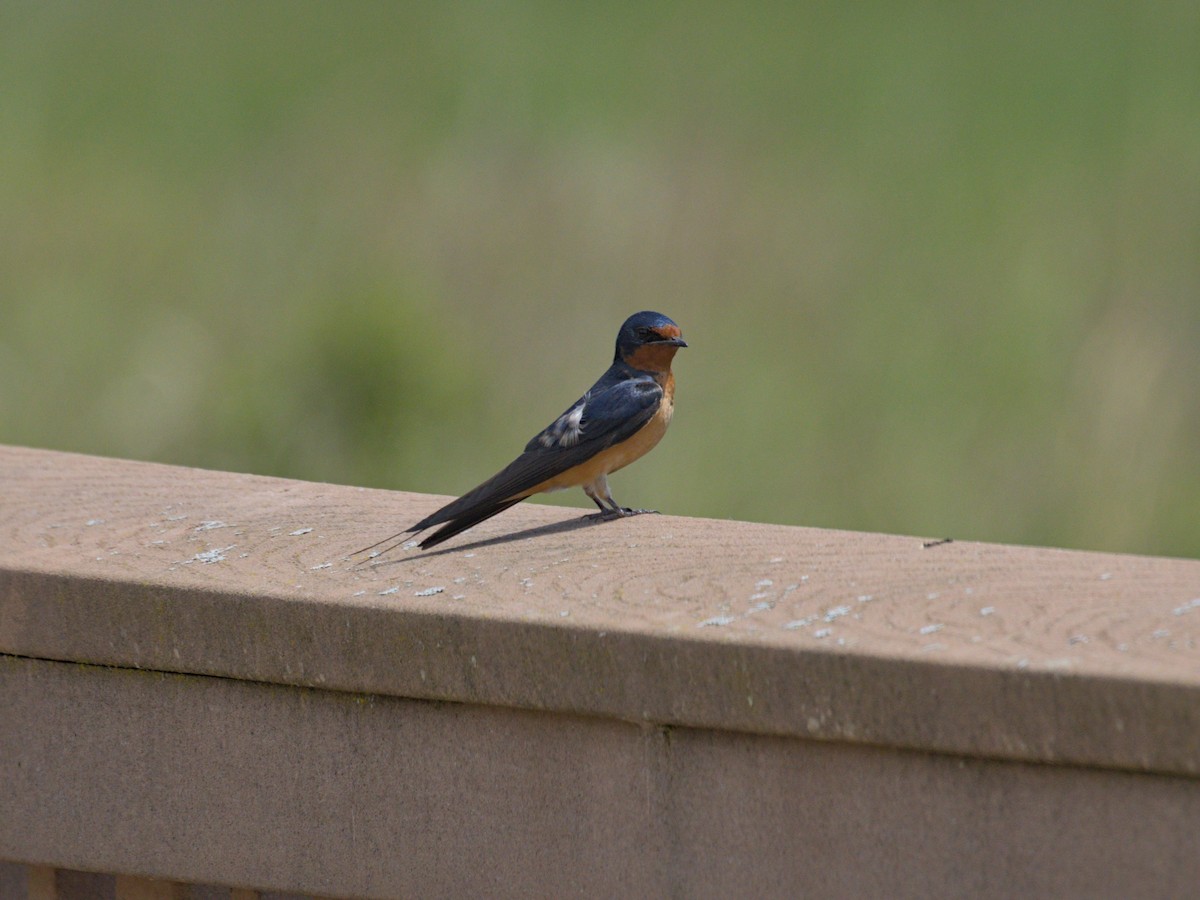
(620, 512)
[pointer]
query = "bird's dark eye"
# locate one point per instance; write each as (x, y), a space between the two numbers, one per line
(649, 334)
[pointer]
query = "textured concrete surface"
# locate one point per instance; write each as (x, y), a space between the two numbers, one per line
(197, 685)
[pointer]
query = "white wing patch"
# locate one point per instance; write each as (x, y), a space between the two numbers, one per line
(566, 430)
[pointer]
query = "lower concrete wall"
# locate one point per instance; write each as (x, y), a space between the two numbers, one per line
(223, 782)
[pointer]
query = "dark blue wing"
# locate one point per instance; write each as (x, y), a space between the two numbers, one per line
(611, 412)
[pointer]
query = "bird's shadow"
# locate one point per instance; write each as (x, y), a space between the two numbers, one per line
(538, 531)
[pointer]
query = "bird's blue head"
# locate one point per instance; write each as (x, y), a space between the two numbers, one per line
(648, 340)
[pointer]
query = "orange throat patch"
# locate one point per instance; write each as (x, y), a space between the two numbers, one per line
(653, 358)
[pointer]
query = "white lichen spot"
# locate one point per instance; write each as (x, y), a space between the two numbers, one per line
(932, 595)
(932, 629)
(391, 590)
(716, 620)
(822, 632)
(324, 565)
(763, 582)
(759, 596)
(1162, 633)
(987, 610)
(776, 559)
(760, 607)
(1187, 607)
(1078, 639)
(91, 522)
(801, 623)
(215, 555)
(358, 593)
(429, 592)
(210, 526)
(836, 612)
(300, 531)
(865, 598)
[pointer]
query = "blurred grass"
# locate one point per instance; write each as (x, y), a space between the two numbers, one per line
(939, 265)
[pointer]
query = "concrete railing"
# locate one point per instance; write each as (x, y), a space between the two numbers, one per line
(197, 688)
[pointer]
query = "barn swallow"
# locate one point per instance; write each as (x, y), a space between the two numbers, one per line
(622, 417)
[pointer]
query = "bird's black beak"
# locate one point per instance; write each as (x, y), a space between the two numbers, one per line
(676, 342)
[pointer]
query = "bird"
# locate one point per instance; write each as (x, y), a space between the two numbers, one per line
(618, 420)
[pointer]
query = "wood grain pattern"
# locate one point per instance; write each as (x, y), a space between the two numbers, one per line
(977, 648)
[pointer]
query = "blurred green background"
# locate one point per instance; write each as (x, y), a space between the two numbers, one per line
(939, 264)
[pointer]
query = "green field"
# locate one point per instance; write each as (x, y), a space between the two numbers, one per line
(938, 264)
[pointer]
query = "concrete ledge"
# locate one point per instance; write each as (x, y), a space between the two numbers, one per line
(1010, 652)
(623, 698)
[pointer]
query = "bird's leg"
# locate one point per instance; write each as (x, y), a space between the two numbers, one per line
(609, 508)
(606, 512)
